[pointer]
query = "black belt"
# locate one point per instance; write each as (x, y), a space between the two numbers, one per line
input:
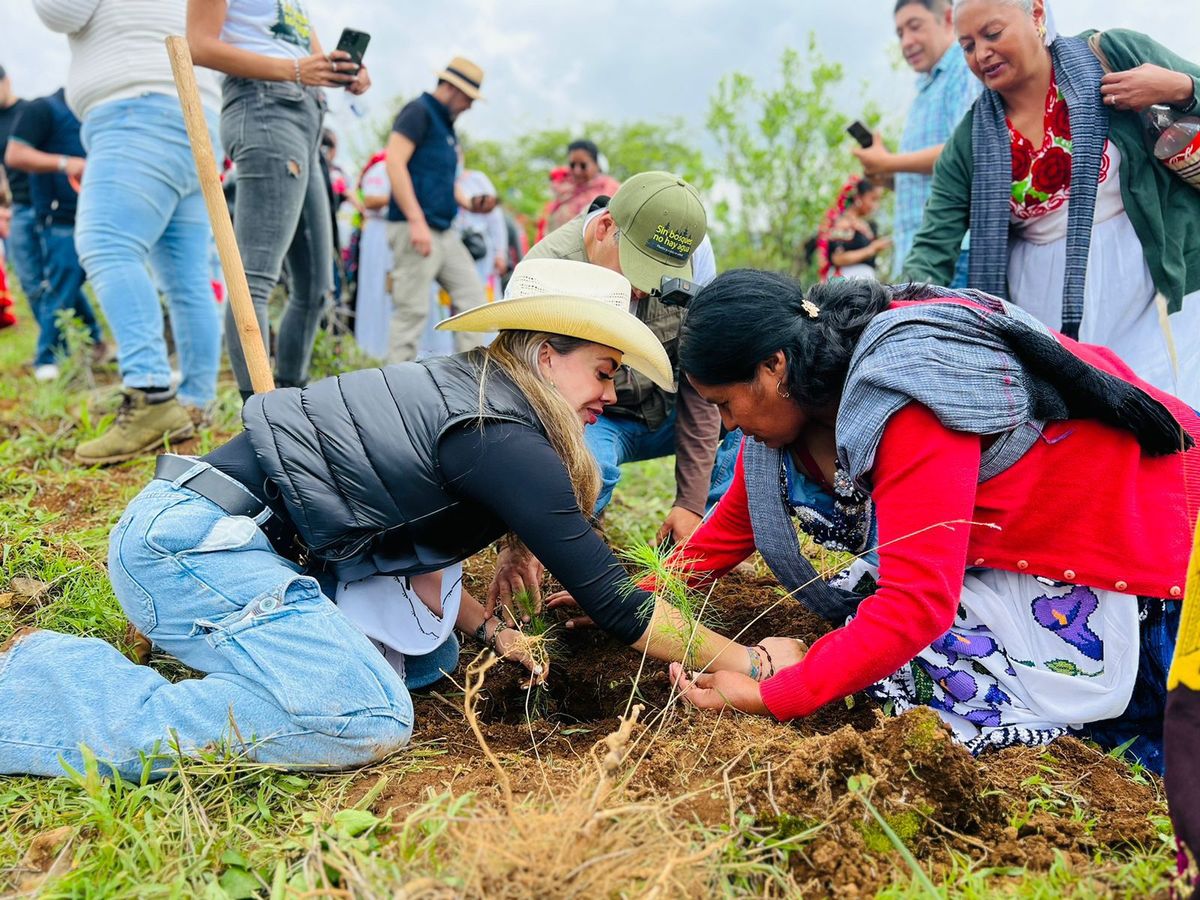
(233, 497)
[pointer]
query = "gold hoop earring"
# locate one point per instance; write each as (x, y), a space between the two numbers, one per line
(779, 389)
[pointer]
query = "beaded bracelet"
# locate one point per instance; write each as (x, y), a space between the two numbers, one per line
(296, 65)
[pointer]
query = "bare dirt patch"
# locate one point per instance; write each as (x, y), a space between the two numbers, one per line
(1015, 808)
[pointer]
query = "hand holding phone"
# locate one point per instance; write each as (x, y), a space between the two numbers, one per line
(860, 133)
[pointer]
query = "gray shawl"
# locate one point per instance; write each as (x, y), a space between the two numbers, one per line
(1078, 74)
(989, 371)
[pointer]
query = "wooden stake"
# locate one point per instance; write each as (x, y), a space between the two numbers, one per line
(218, 214)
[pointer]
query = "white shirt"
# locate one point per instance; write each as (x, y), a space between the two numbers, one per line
(117, 49)
(278, 28)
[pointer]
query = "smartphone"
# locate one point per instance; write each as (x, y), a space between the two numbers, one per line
(354, 43)
(861, 133)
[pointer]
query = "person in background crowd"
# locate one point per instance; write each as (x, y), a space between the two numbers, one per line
(945, 91)
(560, 187)
(22, 244)
(516, 225)
(273, 106)
(585, 184)
(7, 318)
(141, 206)
(652, 229)
(45, 143)
(340, 195)
(490, 225)
(848, 244)
(1071, 215)
(373, 306)
(422, 165)
(877, 416)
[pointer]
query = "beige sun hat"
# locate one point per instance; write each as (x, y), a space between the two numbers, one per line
(578, 299)
(464, 75)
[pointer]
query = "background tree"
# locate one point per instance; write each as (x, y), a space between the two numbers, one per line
(520, 167)
(784, 153)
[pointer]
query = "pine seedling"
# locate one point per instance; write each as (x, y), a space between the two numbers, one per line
(651, 563)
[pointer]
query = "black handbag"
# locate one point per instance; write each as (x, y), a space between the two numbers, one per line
(475, 243)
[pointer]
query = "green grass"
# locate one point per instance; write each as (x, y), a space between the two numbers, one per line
(221, 827)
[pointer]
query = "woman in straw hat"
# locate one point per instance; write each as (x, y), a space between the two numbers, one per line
(229, 562)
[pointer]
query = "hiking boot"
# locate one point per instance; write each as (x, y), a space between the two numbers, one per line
(143, 423)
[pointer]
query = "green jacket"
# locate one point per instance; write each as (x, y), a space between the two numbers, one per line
(1164, 211)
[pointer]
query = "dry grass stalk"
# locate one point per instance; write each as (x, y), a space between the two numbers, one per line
(586, 844)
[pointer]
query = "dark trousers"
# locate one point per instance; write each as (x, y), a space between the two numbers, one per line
(64, 278)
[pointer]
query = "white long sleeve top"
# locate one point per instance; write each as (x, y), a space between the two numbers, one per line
(118, 49)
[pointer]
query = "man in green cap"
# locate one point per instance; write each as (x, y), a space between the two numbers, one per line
(652, 229)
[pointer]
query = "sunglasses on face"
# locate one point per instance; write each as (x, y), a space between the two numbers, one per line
(577, 164)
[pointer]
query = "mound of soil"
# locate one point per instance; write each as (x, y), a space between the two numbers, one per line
(1018, 807)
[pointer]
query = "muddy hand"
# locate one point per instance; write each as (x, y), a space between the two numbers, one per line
(518, 647)
(516, 572)
(563, 600)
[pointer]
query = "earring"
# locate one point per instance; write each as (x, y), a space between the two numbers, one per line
(1042, 30)
(781, 391)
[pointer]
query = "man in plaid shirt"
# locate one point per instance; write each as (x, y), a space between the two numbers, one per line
(945, 91)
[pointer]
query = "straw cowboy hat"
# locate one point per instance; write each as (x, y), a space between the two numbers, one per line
(578, 299)
(464, 75)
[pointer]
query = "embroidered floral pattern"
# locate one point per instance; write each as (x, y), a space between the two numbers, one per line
(1041, 176)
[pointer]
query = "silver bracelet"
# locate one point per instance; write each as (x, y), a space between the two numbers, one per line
(296, 65)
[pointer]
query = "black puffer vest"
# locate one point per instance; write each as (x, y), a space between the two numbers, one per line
(355, 460)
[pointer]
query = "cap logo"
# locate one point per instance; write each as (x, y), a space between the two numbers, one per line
(669, 242)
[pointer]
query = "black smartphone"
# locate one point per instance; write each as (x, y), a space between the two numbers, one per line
(860, 133)
(354, 43)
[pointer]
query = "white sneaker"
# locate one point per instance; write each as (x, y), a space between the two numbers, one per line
(47, 372)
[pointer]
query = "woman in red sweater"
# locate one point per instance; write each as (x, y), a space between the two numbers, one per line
(1023, 505)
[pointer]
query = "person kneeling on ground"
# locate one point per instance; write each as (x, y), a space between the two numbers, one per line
(225, 561)
(1033, 501)
(652, 230)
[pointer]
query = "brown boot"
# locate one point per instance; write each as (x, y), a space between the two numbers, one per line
(144, 423)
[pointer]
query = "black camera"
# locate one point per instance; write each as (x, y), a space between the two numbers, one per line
(675, 291)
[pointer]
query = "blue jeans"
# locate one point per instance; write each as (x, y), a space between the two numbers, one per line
(64, 290)
(723, 466)
(26, 255)
(271, 130)
(140, 204)
(290, 680)
(614, 440)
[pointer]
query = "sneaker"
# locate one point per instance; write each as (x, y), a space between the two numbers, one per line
(45, 372)
(141, 427)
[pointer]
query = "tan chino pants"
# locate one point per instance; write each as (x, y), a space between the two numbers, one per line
(451, 266)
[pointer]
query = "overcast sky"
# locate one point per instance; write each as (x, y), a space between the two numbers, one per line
(560, 64)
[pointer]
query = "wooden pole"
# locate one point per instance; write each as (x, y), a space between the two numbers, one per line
(218, 214)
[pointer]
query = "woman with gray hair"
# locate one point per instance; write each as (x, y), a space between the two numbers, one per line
(1070, 214)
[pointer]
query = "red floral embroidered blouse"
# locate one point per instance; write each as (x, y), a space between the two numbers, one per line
(1042, 176)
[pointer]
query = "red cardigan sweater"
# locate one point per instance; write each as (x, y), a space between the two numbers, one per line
(1082, 505)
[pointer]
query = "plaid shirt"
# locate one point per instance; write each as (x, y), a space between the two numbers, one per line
(943, 98)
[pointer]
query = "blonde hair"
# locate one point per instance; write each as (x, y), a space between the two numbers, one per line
(516, 353)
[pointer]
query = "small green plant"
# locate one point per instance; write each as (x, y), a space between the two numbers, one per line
(650, 564)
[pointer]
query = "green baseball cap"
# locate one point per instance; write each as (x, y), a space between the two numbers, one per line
(662, 222)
